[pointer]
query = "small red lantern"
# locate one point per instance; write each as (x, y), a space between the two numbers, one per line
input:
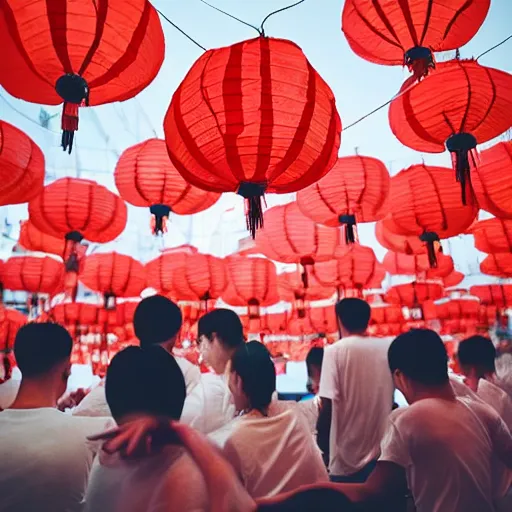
(493, 235)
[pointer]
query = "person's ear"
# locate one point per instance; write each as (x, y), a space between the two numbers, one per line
(67, 372)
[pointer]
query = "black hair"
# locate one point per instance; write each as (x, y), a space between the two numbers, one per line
(420, 354)
(253, 364)
(38, 347)
(354, 314)
(145, 380)
(156, 320)
(479, 352)
(315, 357)
(312, 500)
(225, 323)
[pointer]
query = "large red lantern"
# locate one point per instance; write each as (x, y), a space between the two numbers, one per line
(33, 274)
(113, 275)
(251, 118)
(79, 53)
(355, 269)
(404, 264)
(73, 209)
(459, 106)
(453, 279)
(252, 283)
(10, 322)
(386, 320)
(145, 176)
(387, 236)
(424, 201)
(493, 235)
(21, 166)
(75, 314)
(355, 190)
(406, 32)
(414, 294)
(499, 295)
(498, 265)
(491, 180)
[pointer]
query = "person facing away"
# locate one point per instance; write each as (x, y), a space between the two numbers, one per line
(271, 453)
(441, 447)
(167, 480)
(314, 367)
(356, 392)
(44, 456)
(157, 321)
(476, 356)
(210, 405)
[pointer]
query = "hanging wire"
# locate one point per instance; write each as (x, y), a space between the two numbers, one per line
(495, 46)
(179, 29)
(262, 29)
(231, 16)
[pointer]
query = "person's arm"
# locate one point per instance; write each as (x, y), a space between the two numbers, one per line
(502, 441)
(323, 427)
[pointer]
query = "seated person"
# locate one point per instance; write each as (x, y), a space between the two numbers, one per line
(44, 455)
(145, 381)
(271, 453)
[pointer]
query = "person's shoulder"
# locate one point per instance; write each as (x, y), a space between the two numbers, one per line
(89, 425)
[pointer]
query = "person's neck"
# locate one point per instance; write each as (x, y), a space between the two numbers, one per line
(223, 363)
(346, 334)
(36, 394)
(443, 392)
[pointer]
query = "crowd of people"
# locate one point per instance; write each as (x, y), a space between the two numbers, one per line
(157, 435)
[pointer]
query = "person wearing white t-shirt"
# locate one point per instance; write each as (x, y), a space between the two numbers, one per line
(271, 452)
(441, 447)
(44, 456)
(356, 391)
(157, 321)
(164, 481)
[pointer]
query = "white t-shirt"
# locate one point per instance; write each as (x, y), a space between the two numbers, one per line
(95, 403)
(497, 399)
(447, 449)
(356, 377)
(165, 482)
(272, 454)
(45, 459)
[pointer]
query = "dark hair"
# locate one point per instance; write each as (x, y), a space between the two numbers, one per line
(39, 347)
(315, 357)
(145, 380)
(225, 323)
(477, 351)
(312, 500)
(420, 354)
(354, 314)
(156, 320)
(253, 364)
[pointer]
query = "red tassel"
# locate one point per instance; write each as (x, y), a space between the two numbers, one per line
(69, 125)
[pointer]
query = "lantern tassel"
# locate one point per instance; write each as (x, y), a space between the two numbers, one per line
(462, 147)
(419, 60)
(253, 193)
(430, 239)
(159, 216)
(349, 222)
(304, 277)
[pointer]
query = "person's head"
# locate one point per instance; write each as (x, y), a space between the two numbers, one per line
(353, 316)
(252, 378)
(419, 363)
(476, 356)
(144, 381)
(43, 353)
(157, 321)
(220, 333)
(314, 365)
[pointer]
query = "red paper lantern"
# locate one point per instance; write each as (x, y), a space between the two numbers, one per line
(74, 314)
(251, 118)
(459, 106)
(34, 275)
(82, 53)
(113, 275)
(386, 320)
(291, 237)
(145, 176)
(499, 295)
(493, 235)
(10, 322)
(318, 321)
(21, 166)
(355, 190)
(414, 294)
(31, 239)
(409, 31)
(356, 268)
(404, 264)
(387, 236)
(491, 180)
(498, 265)
(453, 279)
(424, 201)
(252, 282)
